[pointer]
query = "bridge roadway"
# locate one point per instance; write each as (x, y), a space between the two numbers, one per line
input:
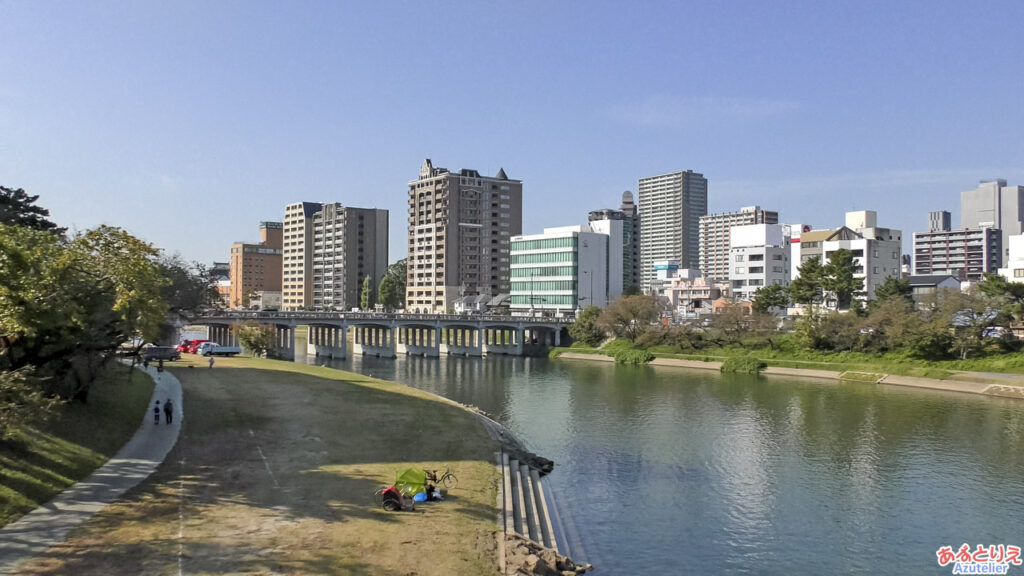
(389, 334)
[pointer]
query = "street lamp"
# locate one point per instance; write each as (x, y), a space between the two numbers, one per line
(590, 275)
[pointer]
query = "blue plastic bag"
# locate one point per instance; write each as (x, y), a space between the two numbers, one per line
(420, 497)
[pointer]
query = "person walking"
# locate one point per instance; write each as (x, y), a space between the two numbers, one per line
(169, 410)
(156, 413)
(211, 361)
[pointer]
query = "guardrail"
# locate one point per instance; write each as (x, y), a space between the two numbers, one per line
(314, 315)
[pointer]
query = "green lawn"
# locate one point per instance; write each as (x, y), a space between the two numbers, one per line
(38, 463)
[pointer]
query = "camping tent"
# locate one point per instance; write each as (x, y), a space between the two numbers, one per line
(412, 481)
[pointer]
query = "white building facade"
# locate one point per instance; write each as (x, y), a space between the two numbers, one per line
(1014, 270)
(566, 268)
(758, 257)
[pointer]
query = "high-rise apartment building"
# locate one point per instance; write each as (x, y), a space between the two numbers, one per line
(255, 267)
(297, 256)
(349, 244)
(670, 207)
(714, 234)
(939, 221)
(460, 226)
(965, 254)
(993, 204)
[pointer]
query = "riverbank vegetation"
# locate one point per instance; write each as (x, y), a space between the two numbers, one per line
(39, 461)
(70, 303)
(933, 337)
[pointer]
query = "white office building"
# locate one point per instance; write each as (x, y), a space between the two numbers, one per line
(1014, 270)
(758, 257)
(566, 268)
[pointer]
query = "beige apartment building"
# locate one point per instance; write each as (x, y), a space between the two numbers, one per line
(460, 226)
(255, 267)
(297, 256)
(714, 237)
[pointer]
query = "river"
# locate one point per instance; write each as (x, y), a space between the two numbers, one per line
(669, 471)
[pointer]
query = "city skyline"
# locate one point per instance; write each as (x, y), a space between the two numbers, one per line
(188, 124)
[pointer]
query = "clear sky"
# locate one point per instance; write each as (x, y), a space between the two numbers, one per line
(188, 123)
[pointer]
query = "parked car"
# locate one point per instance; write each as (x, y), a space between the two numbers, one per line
(214, 349)
(160, 353)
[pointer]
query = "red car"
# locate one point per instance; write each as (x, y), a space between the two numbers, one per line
(190, 346)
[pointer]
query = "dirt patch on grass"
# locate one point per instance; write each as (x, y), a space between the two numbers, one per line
(275, 473)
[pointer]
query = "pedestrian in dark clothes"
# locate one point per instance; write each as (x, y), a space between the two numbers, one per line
(169, 410)
(156, 413)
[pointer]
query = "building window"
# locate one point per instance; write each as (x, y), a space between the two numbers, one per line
(739, 257)
(1018, 272)
(741, 270)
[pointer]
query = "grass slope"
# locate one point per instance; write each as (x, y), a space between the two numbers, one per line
(38, 463)
(275, 472)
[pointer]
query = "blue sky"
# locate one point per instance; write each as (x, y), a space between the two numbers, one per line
(187, 123)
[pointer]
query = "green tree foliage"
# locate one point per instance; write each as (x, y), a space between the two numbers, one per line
(773, 296)
(366, 298)
(629, 316)
(585, 329)
(387, 293)
(255, 337)
(17, 208)
(397, 272)
(837, 278)
(1009, 296)
(892, 287)
(806, 288)
(970, 315)
(21, 403)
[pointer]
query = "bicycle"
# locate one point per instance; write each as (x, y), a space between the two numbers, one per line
(448, 479)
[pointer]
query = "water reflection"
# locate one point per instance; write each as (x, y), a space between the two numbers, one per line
(669, 471)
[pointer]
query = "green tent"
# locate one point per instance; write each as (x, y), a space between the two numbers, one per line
(412, 481)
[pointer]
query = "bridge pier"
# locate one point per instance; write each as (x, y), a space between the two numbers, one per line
(284, 341)
(329, 341)
(417, 341)
(506, 342)
(374, 341)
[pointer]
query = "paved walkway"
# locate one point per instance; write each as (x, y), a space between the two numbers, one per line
(50, 523)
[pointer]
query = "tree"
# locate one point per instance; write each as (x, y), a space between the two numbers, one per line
(366, 299)
(837, 278)
(387, 293)
(771, 296)
(971, 315)
(130, 267)
(255, 337)
(629, 316)
(397, 272)
(1008, 295)
(17, 209)
(892, 287)
(585, 328)
(806, 288)
(21, 403)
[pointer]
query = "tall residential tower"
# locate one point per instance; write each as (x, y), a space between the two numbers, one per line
(670, 207)
(460, 225)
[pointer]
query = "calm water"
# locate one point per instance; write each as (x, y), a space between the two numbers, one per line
(665, 471)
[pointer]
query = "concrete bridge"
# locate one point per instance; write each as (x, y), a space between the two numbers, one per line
(389, 334)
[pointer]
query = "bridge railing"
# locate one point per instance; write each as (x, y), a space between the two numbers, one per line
(315, 315)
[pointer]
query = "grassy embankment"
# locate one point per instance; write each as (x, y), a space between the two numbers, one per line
(275, 472)
(874, 365)
(40, 462)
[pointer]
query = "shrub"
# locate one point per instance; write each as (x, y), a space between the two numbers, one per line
(636, 357)
(618, 344)
(743, 365)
